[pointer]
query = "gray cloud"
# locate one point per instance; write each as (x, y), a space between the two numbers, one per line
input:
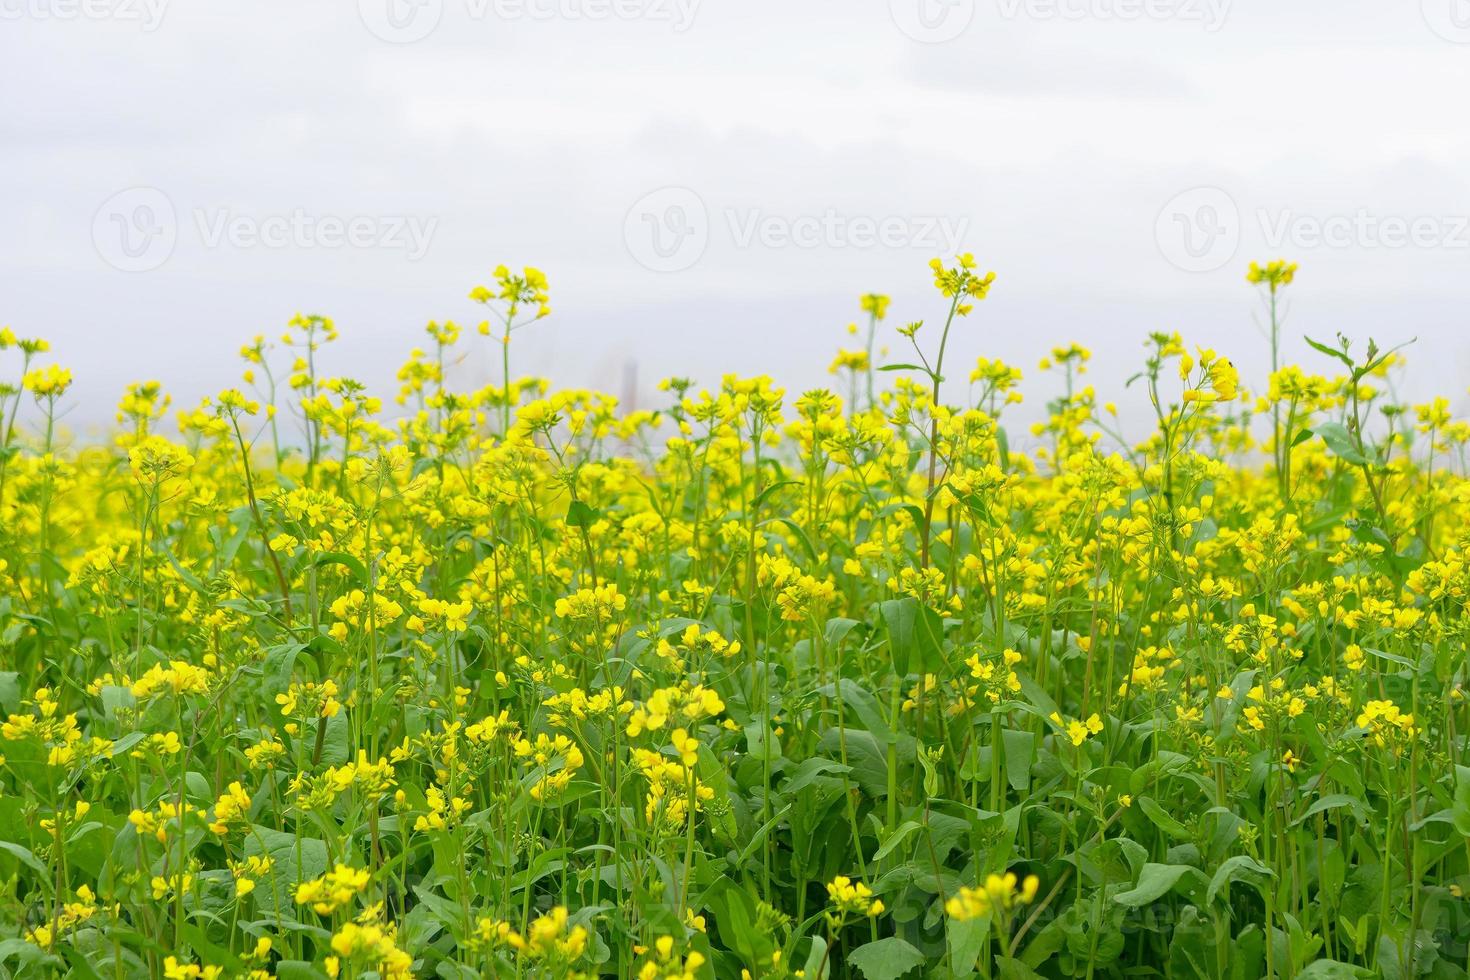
(1055, 143)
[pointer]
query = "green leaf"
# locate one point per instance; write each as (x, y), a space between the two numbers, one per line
(858, 705)
(358, 570)
(966, 941)
(903, 367)
(868, 759)
(818, 962)
(1341, 443)
(915, 633)
(1156, 881)
(1334, 801)
(1333, 970)
(445, 911)
(1193, 948)
(1392, 658)
(25, 857)
(809, 772)
(124, 744)
(291, 864)
(26, 953)
(768, 492)
(1011, 969)
(1239, 868)
(1162, 820)
(1038, 700)
(837, 629)
(802, 539)
(1330, 352)
(735, 913)
(1460, 810)
(1375, 362)
(887, 959)
(758, 742)
(1003, 447)
(581, 515)
(896, 838)
(115, 698)
(1020, 757)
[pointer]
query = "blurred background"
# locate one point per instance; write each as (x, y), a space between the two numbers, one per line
(711, 184)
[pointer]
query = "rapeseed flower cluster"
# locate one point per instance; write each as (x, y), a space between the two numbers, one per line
(501, 679)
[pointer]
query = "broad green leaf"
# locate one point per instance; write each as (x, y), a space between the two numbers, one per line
(770, 491)
(1162, 820)
(1335, 801)
(810, 771)
(1341, 443)
(915, 633)
(887, 959)
(9, 691)
(1156, 881)
(579, 514)
(1020, 756)
(1011, 969)
(896, 838)
(868, 759)
(859, 707)
(357, 570)
(1333, 970)
(966, 941)
(25, 857)
(293, 862)
(299, 970)
(1239, 868)
(123, 745)
(1460, 810)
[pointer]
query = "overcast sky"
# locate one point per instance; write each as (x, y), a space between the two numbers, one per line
(710, 184)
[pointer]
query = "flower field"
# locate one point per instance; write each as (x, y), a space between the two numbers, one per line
(512, 682)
